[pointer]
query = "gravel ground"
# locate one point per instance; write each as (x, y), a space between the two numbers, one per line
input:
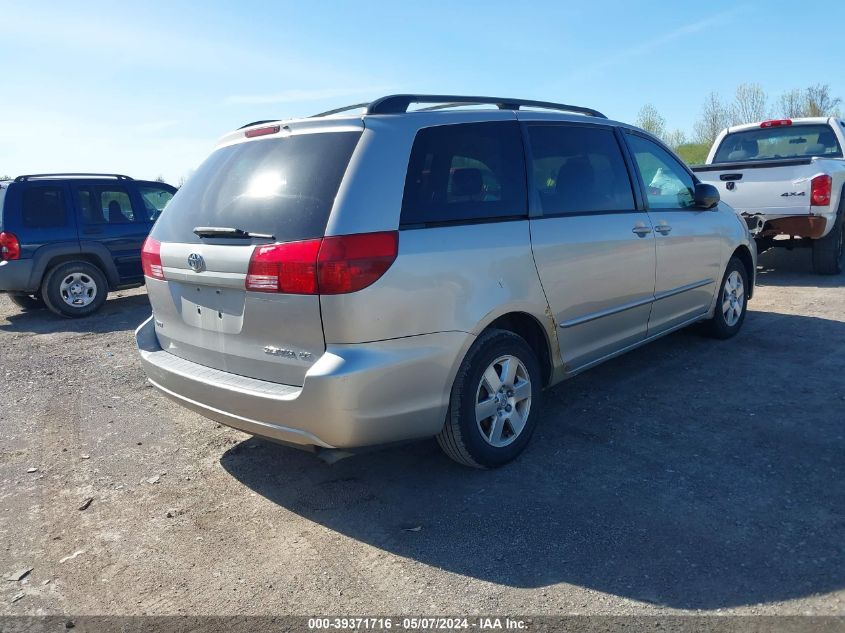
(688, 475)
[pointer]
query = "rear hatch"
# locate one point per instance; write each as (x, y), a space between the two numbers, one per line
(276, 187)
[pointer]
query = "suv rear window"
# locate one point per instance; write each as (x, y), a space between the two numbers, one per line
(465, 172)
(281, 186)
(788, 141)
(44, 207)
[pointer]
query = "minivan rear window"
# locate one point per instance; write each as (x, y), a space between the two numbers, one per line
(284, 187)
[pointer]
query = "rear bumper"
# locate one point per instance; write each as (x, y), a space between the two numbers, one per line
(353, 396)
(812, 226)
(15, 275)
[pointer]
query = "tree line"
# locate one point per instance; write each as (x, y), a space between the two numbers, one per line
(750, 103)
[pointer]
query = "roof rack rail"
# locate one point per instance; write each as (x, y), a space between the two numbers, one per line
(395, 104)
(72, 174)
(354, 106)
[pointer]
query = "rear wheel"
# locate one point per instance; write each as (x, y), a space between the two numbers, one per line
(495, 402)
(829, 251)
(74, 289)
(26, 302)
(731, 303)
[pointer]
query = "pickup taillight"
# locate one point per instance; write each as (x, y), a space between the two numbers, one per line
(330, 265)
(820, 190)
(10, 248)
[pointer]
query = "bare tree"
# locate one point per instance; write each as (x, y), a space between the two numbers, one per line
(791, 104)
(750, 104)
(715, 117)
(649, 119)
(160, 178)
(675, 139)
(819, 102)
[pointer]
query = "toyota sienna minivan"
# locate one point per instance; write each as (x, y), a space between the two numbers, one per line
(425, 269)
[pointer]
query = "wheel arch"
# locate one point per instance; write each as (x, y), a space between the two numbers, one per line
(743, 253)
(530, 329)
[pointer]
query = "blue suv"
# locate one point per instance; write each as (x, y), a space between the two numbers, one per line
(66, 240)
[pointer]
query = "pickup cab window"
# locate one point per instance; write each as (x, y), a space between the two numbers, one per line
(774, 143)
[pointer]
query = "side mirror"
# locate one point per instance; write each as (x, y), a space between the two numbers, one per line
(706, 196)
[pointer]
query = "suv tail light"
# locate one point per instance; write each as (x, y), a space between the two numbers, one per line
(820, 190)
(151, 259)
(330, 265)
(10, 248)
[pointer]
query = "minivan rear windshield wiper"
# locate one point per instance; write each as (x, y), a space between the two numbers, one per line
(222, 231)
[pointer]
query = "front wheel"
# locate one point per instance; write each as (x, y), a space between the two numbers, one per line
(26, 302)
(731, 303)
(495, 402)
(74, 289)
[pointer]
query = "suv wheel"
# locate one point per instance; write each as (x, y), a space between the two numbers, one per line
(731, 303)
(74, 289)
(495, 402)
(25, 301)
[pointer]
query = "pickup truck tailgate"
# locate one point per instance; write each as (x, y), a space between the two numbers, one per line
(773, 188)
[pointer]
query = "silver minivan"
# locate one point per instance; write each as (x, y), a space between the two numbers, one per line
(427, 268)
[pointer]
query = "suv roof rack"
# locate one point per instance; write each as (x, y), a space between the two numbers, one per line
(397, 104)
(72, 174)
(394, 104)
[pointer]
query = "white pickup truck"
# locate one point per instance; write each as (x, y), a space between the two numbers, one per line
(787, 178)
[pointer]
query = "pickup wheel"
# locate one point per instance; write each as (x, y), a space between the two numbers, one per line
(74, 289)
(495, 402)
(26, 302)
(829, 251)
(731, 302)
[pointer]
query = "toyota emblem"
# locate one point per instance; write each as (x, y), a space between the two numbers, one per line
(196, 262)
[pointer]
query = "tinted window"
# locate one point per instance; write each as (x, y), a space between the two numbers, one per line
(773, 143)
(44, 207)
(668, 185)
(465, 172)
(155, 199)
(578, 169)
(105, 205)
(281, 186)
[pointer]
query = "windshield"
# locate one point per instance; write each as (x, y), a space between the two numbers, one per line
(789, 141)
(284, 187)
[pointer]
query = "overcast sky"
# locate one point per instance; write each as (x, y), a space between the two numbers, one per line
(88, 86)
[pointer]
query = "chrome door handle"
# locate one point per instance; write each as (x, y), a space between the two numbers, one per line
(642, 231)
(663, 229)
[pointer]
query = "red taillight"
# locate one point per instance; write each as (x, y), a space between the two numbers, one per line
(776, 123)
(10, 248)
(262, 131)
(151, 259)
(352, 262)
(332, 265)
(289, 267)
(820, 190)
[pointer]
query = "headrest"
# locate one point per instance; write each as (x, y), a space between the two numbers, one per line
(575, 173)
(467, 182)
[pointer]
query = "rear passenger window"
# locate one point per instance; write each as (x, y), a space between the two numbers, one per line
(578, 169)
(155, 199)
(105, 205)
(44, 207)
(465, 172)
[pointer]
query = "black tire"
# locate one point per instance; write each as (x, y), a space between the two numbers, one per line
(829, 251)
(52, 293)
(463, 438)
(26, 302)
(722, 326)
